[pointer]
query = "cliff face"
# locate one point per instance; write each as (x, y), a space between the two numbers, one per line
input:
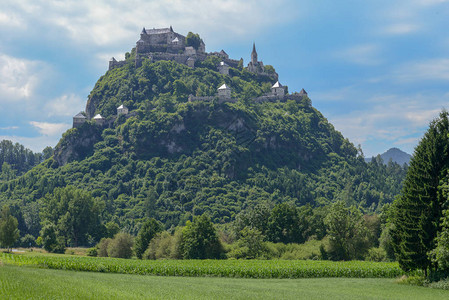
(77, 143)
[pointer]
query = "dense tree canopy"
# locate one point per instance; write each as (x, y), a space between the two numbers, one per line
(172, 160)
(418, 210)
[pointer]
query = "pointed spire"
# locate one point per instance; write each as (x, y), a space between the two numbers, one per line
(171, 28)
(254, 54)
(143, 31)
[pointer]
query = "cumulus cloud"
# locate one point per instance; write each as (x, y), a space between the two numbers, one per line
(50, 129)
(65, 105)
(392, 119)
(19, 77)
(110, 22)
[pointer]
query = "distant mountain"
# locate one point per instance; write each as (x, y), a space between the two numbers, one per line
(396, 155)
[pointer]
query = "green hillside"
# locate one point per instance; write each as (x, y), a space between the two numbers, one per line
(172, 159)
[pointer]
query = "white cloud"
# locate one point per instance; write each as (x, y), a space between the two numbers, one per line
(50, 129)
(9, 20)
(401, 28)
(392, 119)
(433, 69)
(368, 54)
(9, 128)
(19, 77)
(112, 22)
(66, 105)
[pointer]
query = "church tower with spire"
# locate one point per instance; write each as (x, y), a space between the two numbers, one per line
(254, 65)
(254, 54)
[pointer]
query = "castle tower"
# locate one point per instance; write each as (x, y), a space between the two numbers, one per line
(277, 89)
(254, 54)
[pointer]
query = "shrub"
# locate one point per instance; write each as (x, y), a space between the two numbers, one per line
(27, 241)
(92, 251)
(103, 247)
(149, 229)
(376, 254)
(121, 246)
(164, 246)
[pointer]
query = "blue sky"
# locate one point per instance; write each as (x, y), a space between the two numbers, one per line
(377, 70)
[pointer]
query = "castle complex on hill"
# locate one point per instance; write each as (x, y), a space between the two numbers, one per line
(165, 44)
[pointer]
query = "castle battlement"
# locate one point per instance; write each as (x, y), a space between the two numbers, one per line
(165, 44)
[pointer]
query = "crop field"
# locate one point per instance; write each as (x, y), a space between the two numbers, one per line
(34, 283)
(210, 268)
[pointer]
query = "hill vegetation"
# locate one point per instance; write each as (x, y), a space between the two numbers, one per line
(172, 160)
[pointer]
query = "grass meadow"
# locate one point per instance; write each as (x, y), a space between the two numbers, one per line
(25, 282)
(32, 275)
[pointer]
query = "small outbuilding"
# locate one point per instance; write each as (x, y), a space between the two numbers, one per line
(99, 120)
(79, 119)
(277, 89)
(122, 110)
(224, 92)
(223, 68)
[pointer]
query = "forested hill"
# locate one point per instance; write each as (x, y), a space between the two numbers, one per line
(15, 159)
(171, 159)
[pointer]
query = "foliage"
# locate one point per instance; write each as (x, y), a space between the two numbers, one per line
(121, 245)
(218, 268)
(283, 224)
(440, 255)
(172, 160)
(17, 159)
(347, 232)
(103, 247)
(92, 251)
(418, 210)
(249, 246)
(199, 240)
(193, 40)
(164, 246)
(149, 229)
(9, 232)
(376, 254)
(75, 213)
(51, 241)
(27, 241)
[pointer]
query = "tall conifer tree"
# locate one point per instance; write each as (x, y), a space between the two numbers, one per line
(418, 210)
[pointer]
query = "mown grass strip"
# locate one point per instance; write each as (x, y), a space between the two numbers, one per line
(215, 268)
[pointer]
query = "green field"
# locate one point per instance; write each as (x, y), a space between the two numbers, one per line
(215, 268)
(32, 283)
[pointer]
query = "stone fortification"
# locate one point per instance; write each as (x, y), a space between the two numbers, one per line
(165, 44)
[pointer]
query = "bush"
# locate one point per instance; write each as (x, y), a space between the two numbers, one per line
(103, 247)
(164, 246)
(92, 252)
(27, 241)
(376, 254)
(250, 245)
(121, 246)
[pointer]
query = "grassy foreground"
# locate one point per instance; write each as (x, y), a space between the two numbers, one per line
(215, 268)
(32, 283)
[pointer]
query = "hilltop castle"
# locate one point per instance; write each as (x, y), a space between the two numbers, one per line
(165, 44)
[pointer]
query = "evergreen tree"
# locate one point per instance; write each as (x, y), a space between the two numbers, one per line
(8, 228)
(418, 210)
(149, 229)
